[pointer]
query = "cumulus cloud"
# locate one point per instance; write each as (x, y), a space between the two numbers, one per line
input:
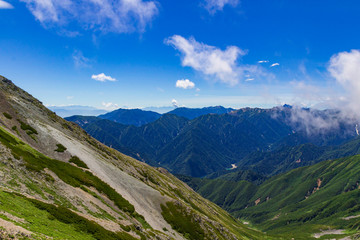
(344, 67)
(109, 106)
(274, 64)
(345, 116)
(217, 5)
(5, 5)
(103, 78)
(185, 84)
(314, 121)
(324, 124)
(211, 61)
(175, 103)
(118, 16)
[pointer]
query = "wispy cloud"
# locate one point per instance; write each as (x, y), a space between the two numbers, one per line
(5, 5)
(185, 84)
(263, 61)
(80, 61)
(118, 16)
(160, 89)
(249, 79)
(70, 97)
(103, 78)
(217, 5)
(274, 64)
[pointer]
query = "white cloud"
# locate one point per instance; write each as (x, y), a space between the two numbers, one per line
(344, 67)
(109, 105)
(274, 64)
(70, 97)
(249, 79)
(217, 5)
(5, 5)
(103, 78)
(212, 61)
(80, 61)
(313, 121)
(119, 16)
(175, 103)
(263, 61)
(185, 84)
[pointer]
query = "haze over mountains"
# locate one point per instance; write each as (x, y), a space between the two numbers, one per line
(136, 117)
(67, 111)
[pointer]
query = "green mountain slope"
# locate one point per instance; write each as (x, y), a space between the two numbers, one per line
(264, 140)
(298, 203)
(59, 183)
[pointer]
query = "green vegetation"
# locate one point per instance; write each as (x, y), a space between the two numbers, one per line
(182, 220)
(37, 220)
(8, 116)
(78, 162)
(60, 148)
(252, 138)
(14, 128)
(56, 222)
(27, 128)
(297, 203)
(81, 224)
(72, 175)
(125, 228)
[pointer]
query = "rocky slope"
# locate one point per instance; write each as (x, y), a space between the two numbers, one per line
(58, 182)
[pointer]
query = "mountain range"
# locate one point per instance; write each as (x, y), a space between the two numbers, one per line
(291, 182)
(60, 183)
(213, 142)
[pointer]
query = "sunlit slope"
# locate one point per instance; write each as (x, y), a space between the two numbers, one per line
(297, 203)
(56, 175)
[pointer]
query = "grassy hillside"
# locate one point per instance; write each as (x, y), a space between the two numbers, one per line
(298, 203)
(60, 183)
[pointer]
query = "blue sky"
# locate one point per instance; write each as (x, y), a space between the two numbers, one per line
(137, 53)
